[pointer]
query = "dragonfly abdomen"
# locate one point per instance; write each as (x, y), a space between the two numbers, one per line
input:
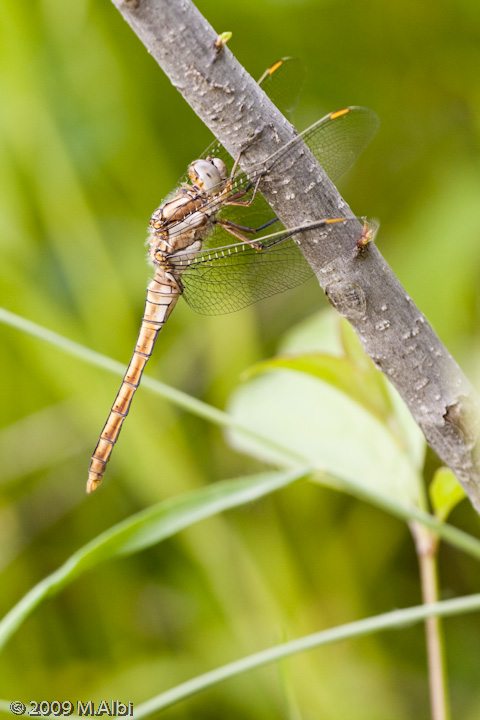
(162, 295)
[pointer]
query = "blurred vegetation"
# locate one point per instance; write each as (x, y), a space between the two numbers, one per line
(92, 137)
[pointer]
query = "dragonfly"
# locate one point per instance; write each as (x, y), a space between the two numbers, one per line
(191, 234)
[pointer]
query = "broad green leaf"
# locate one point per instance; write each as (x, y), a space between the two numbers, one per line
(445, 493)
(363, 386)
(328, 333)
(351, 346)
(338, 414)
(326, 346)
(145, 529)
(319, 333)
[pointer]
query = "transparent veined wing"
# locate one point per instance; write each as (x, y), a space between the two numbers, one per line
(283, 83)
(226, 279)
(339, 138)
(231, 278)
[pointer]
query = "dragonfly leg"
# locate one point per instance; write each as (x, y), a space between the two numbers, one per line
(234, 199)
(276, 238)
(238, 230)
(244, 228)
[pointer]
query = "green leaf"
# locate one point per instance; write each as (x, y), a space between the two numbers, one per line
(327, 333)
(351, 345)
(363, 386)
(338, 413)
(224, 37)
(145, 529)
(445, 493)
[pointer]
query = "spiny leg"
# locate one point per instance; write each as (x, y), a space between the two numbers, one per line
(238, 230)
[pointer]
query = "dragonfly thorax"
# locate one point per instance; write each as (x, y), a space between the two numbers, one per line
(187, 217)
(178, 224)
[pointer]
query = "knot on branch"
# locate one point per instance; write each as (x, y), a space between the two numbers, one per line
(348, 298)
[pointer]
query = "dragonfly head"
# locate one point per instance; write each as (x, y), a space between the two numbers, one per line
(208, 174)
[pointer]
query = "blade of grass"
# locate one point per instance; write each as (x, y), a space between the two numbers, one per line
(5, 707)
(145, 529)
(393, 620)
(449, 533)
(387, 621)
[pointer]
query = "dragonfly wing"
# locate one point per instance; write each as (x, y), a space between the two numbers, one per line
(283, 83)
(239, 275)
(338, 139)
(226, 279)
(230, 278)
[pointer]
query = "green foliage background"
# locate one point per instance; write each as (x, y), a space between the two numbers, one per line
(92, 137)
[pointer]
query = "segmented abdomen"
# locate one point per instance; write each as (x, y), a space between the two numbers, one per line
(162, 295)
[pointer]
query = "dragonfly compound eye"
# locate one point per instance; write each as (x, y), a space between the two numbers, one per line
(206, 174)
(221, 167)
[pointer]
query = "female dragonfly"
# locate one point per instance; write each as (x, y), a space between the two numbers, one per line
(191, 233)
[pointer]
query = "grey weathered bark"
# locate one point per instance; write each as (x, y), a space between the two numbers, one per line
(392, 330)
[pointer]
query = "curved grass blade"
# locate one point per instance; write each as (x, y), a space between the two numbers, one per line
(395, 619)
(145, 529)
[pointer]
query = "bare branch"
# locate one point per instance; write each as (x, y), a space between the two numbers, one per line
(363, 288)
